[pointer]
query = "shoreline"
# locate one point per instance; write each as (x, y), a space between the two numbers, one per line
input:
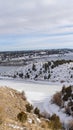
(42, 82)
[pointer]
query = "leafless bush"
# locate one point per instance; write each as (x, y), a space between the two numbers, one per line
(23, 95)
(57, 99)
(70, 125)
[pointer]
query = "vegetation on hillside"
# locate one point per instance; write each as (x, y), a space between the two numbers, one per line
(64, 99)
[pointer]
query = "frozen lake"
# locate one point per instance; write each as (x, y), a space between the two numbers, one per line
(39, 89)
(7, 68)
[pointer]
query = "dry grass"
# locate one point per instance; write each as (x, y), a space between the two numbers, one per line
(12, 103)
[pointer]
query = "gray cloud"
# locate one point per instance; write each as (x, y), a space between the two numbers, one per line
(20, 17)
(34, 15)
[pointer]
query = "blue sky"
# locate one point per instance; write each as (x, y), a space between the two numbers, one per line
(36, 24)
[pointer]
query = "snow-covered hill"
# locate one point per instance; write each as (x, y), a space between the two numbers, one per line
(52, 71)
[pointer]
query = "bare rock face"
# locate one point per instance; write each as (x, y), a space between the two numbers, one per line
(13, 114)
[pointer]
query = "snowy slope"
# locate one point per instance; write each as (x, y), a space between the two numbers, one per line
(63, 73)
(60, 73)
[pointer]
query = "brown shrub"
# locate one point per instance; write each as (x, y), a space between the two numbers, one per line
(70, 125)
(29, 107)
(57, 99)
(22, 116)
(55, 123)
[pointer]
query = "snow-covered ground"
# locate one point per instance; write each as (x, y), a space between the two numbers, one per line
(39, 95)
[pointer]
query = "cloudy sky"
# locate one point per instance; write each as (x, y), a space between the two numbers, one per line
(36, 24)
